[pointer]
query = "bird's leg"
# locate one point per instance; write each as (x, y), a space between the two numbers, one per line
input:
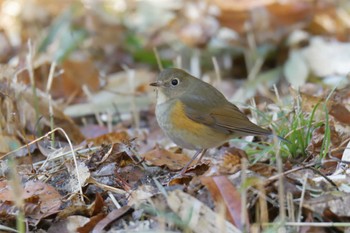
(198, 152)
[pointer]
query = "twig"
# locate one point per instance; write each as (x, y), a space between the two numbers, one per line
(302, 200)
(244, 212)
(275, 177)
(313, 224)
(52, 123)
(105, 187)
(195, 63)
(115, 202)
(70, 145)
(178, 62)
(50, 78)
(30, 68)
(281, 194)
(131, 79)
(217, 70)
(290, 206)
(89, 96)
(277, 93)
(255, 69)
(159, 62)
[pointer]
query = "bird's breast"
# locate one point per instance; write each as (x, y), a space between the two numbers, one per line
(183, 131)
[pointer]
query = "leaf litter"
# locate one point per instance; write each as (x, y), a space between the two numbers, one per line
(87, 77)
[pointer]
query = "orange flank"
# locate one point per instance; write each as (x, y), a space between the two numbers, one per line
(182, 122)
(185, 130)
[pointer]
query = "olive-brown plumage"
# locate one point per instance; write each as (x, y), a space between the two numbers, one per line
(195, 115)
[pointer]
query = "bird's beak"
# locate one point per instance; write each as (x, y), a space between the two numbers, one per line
(156, 84)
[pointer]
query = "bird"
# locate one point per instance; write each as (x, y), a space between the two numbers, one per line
(197, 116)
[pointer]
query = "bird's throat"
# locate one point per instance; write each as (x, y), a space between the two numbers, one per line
(161, 98)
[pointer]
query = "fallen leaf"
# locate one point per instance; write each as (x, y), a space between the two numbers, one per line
(270, 19)
(41, 198)
(110, 138)
(77, 73)
(84, 174)
(141, 194)
(50, 199)
(199, 217)
(263, 169)
(337, 107)
(162, 157)
(223, 192)
(94, 220)
(231, 161)
(340, 113)
(184, 180)
(112, 216)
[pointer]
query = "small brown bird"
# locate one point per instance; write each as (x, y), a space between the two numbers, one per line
(195, 115)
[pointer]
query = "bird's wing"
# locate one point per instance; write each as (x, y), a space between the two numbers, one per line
(227, 118)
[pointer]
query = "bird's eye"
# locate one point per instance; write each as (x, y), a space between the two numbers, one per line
(175, 81)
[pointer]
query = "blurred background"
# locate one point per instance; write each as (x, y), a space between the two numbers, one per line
(301, 38)
(252, 45)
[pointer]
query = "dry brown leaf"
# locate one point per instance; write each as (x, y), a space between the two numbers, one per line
(114, 153)
(31, 207)
(95, 208)
(41, 199)
(112, 216)
(231, 161)
(338, 110)
(94, 220)
(340, 113)
(110, 138)
(77, 74)
(190, 175)
(268, 19)
(67, 85)
(50, 199)
(129, 176)
(163, 157)
(332, 20)
(199, 168)
(223, 192)
(180, 180)
(263, 169)
(202, 218)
